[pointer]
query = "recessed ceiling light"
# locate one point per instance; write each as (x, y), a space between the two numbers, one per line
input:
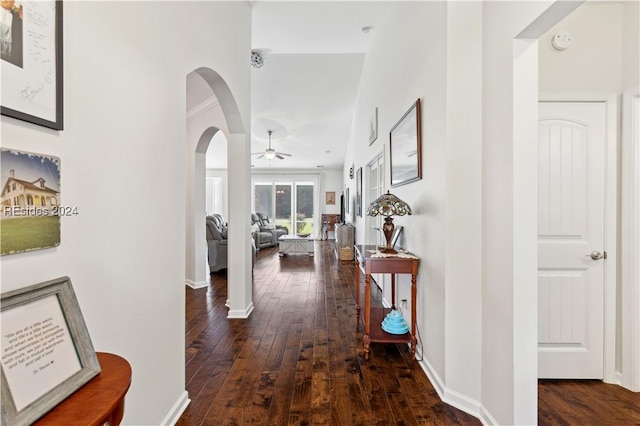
(366, 29)
(319, 167)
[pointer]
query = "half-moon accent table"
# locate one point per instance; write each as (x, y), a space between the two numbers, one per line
(100, 402)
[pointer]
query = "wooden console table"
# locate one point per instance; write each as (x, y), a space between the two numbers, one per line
(98, 403)
(328, 224)
(373, 317)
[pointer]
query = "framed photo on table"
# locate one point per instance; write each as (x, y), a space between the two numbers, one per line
(46, 350)
(31, 62)
(405, 146)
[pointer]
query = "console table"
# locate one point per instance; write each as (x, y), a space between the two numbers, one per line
(329, 222)
(100, 402)
(404, 263)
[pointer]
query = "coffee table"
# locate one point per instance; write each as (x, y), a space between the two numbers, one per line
(291, 244)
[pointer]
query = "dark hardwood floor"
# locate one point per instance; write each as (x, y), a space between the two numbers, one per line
(298, 360)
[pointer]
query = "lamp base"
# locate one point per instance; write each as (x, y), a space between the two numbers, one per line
(387, 230)
(387, 250)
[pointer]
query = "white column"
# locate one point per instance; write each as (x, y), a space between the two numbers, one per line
(239, 282)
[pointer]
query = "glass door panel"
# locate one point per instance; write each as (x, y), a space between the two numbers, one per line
(263, 198)
(304, 208)
(283, 205)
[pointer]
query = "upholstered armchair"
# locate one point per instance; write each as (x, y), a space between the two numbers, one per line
(261, 236)
(267, 223)
(217, 242)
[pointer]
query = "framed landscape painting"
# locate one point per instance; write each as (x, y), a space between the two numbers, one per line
(30, 215)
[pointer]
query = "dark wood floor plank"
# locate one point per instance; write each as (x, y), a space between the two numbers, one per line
(298, 360)
(340, 406)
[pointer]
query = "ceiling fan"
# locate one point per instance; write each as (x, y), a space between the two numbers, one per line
(270, 153)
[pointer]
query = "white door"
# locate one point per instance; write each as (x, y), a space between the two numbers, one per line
(572, 148)
(374, 188)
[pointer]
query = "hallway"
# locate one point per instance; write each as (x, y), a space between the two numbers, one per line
(296, 360)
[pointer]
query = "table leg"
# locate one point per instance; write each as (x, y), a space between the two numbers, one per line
(357, 294)
(414, 294)
(367, 314)
(393, 291)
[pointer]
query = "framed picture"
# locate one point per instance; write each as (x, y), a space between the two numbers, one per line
(330, 198)
(373, 127)
(31, 210)
(47, 353)
(32, 62)
(396, 235)
(405, 146)
(359, 192)
(347, 201)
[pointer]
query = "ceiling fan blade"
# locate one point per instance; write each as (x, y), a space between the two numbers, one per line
(279, 156)
(282, 153)
(262, 155)
(257, 153)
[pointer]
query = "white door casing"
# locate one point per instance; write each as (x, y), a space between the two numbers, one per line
(571, 226)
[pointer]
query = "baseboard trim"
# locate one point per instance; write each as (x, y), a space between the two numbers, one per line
(194, 285)
(485, 417)
(176, 411)
(240, 313)
(453, 398)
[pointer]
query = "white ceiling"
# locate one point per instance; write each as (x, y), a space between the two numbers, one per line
(305, 93)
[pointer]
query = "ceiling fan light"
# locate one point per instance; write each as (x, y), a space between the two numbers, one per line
(270, 154)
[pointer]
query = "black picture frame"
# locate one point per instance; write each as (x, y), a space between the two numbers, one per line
(35, 73)
(42, 330)
(405, 147)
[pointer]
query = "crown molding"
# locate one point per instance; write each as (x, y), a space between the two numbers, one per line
(202, 108)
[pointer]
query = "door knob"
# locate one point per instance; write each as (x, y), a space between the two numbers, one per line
(595, 255)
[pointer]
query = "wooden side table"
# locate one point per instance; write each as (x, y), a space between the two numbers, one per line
(100, 402)
(373, 317)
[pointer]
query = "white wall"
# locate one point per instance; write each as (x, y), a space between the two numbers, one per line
(406, 62)
(630, 50)
(123, 164)
(593, 62)
(472, 336)
(332, 182)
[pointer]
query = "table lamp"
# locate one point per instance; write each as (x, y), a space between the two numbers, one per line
(388, 205)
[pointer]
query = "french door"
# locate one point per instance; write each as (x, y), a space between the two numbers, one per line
(291, 203)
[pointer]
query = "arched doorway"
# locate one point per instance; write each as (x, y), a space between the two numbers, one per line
(216, 112)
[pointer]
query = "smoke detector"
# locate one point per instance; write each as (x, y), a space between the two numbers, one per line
(257, 60)
(561, 40)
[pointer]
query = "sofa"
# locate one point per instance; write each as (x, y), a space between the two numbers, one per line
(217, 243)
(264, 230)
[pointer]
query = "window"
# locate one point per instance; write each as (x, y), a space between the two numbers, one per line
(291, 203)
(214, 195)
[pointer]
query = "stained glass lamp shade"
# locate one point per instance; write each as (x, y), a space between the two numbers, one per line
(388, 205)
